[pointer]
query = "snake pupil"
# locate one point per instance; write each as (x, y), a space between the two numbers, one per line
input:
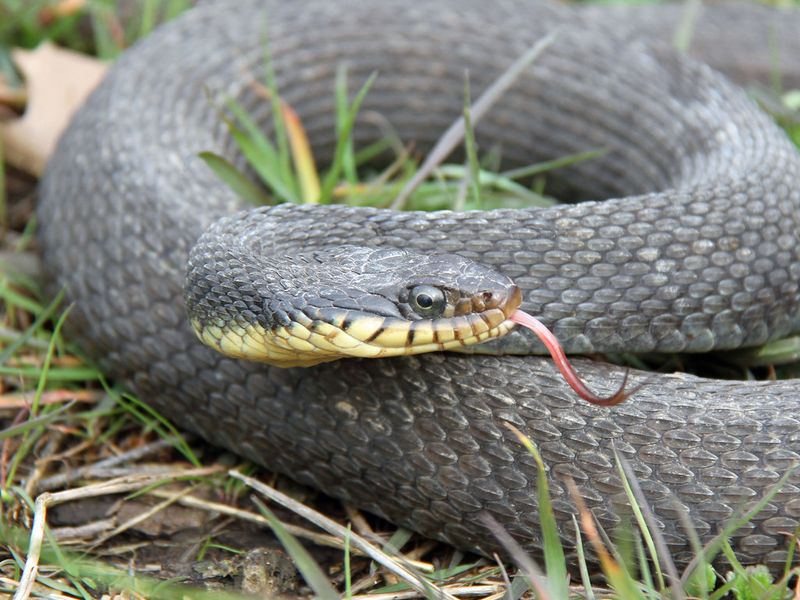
(427, 301)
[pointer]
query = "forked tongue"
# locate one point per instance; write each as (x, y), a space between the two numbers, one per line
(563, 364)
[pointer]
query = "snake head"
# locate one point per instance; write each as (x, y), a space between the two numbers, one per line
(347, 301)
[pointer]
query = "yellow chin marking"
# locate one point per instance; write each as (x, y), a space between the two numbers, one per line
(393, 336)
(462, 328)
(421, 332)
(445, 334)
(306, 342)
(300, 345)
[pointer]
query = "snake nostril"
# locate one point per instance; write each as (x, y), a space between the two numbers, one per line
(506, 300)
(485, 300)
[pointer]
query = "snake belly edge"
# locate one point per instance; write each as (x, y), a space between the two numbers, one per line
(697, 250)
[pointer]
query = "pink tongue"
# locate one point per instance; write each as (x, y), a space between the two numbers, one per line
(563, 364)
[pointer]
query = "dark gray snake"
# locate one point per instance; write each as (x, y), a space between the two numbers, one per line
(699, 253)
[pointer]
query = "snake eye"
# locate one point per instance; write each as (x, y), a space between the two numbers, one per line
(427, 301)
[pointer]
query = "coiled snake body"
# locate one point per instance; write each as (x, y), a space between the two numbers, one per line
(699, 251)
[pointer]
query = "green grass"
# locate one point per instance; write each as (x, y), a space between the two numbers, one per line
(103, 28)
(791, 119)
(35, 359)
(283, 173)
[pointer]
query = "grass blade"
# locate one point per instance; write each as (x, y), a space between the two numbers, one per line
(304, 164)
(455, 132)
(348, 158)
(147, 20)
(537, 580)
(684, 32)
(713, 547)
(36, 326)
(3, 199)
(12, 297)
(471, 148)
(284, 167)
(645, 520)
(147, 415)
(778, 352)
(332, 178)
(48, 360)
(617, 577)
(554, 560)
(234, 179)
(311, 571)
(393, 565)
(582, 567)
(260, 153)
(81, 374)
(44, 419)
(550, 165)
(498, 182)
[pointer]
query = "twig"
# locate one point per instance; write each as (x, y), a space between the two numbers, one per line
(8, 582)
(7, 334)
(25, 399)
(469, 591)
(82, 532)
(455, 133)
(144, 515)
(244, 515)
(365, 582)
(47, 499)
(391, 564)
(53, 444)
(75, 450)
(360, 524)
(93, 470)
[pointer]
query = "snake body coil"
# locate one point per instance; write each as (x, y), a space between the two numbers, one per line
(698, 251)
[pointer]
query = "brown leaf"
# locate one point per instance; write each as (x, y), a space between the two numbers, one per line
(57, 83)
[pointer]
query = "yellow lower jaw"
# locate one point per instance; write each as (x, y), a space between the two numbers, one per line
(299, 346)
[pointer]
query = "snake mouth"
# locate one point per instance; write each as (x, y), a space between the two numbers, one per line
(347, 333)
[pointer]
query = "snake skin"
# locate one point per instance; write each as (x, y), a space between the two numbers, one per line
(699, 251)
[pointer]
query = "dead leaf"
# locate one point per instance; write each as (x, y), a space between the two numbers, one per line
(57, 83)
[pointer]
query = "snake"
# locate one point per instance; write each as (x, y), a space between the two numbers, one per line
(680, 236)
